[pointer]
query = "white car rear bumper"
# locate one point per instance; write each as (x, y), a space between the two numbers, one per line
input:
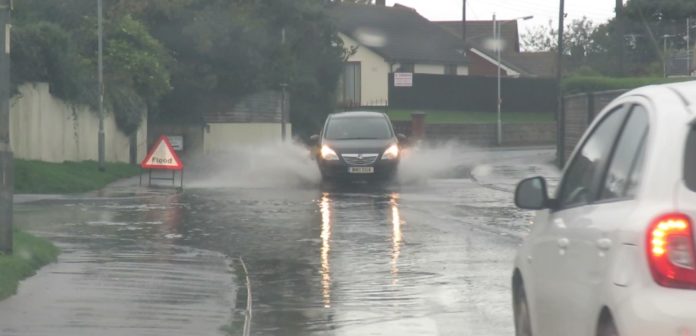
(657, 311)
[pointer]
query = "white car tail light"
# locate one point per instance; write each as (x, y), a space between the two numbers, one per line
(671, 251)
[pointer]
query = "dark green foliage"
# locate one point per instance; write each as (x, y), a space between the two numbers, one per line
(178, 59)
(45, 52)
(573, 85)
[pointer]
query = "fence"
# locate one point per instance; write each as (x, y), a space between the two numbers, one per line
(526, 134)
(45, 128)
(472, 93)
(578, 113)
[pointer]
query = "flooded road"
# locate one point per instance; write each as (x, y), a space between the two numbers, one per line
(425, 258)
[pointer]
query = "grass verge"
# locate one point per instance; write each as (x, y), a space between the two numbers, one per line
(38, 177)
(459, 117)
(30, 254)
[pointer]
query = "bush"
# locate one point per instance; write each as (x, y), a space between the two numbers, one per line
(581, 84)
(45, 52)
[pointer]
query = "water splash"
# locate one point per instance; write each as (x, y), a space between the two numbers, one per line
(257, 166)
(289, 165)
(445, 160)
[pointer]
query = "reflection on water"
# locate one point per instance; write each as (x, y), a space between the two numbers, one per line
(396, 237)
(326, 220)
(387, 206)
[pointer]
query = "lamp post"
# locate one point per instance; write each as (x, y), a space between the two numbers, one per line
(497, 27)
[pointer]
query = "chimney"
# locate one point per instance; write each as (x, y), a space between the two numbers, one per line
(464, 21)
(382, 3)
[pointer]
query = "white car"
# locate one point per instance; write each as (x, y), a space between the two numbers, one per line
(613, 252)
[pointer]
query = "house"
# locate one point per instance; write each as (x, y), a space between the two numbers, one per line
(229, 123)
(513, 63)
(385, 40)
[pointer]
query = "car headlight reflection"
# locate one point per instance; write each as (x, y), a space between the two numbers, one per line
(392, 153)
(328, 154)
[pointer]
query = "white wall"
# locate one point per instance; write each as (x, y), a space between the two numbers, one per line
(45, 128)
(463, 70)
(432, 69)
(222, 137)
(374, 73)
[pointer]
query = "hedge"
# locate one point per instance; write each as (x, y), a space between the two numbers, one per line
(574, 85)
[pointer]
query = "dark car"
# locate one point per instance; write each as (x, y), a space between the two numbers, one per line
(358, 146)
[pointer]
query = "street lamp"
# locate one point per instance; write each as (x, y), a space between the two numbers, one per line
(498, 47)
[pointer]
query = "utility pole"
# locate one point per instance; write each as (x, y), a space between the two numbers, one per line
(6, 157)
(560, 119)
(283, 88)
(620, 32)
(101, 137)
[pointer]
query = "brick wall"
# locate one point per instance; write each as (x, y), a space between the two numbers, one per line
(486, 134)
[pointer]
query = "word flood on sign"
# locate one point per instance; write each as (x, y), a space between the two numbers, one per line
(163, 157)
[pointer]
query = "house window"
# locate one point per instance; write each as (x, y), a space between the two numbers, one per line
(451, 70)
(406, 67)
(350, 85)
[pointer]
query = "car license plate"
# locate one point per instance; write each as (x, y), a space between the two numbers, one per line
(361, 170)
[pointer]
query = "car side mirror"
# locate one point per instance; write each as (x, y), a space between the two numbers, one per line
(401, 137)
(314, 139)
(532, 194)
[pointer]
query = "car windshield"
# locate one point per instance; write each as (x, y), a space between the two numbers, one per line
(356, 128)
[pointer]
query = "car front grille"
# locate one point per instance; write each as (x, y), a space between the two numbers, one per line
(360, 159)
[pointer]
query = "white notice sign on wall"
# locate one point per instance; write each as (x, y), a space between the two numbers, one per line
(403, 79)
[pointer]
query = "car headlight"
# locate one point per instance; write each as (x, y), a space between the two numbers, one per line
(392, 153)
(328, 153)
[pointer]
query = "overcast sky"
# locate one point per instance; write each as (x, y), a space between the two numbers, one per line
(543, 10)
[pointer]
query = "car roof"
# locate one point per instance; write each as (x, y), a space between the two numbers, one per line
(686, 91)
(358, 114)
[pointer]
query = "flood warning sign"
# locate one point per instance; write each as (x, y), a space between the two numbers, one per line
(162, 156)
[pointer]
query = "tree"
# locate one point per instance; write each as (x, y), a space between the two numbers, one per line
(56, 42)
(579, 41)
(179, 59)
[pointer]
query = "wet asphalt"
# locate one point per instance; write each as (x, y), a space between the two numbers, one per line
(431, 257)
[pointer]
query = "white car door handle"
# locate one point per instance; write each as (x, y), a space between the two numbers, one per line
(563, 243)
(604, 244)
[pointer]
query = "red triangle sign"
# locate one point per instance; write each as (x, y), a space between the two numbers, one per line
(162, 156)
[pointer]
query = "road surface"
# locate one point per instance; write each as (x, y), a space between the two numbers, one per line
(431, 256)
